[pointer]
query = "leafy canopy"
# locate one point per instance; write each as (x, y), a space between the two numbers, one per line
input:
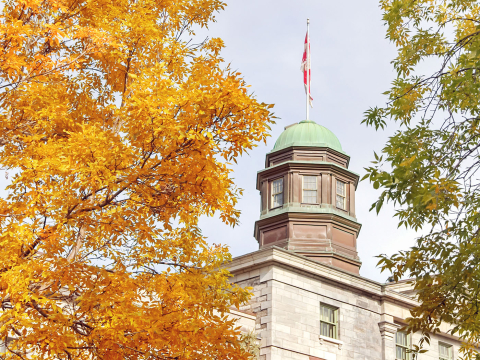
(429, 168)
(117, 132)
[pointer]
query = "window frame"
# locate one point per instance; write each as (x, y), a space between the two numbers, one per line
(344, 195)
(450, 351)
(272, 204)
(305, 189)
(334, 324)
(406, 347)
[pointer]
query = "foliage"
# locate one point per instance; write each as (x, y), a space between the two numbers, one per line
(249, 342)
(118, 132)
(429, 168)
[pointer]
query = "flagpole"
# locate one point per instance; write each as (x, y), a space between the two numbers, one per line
(308, 68)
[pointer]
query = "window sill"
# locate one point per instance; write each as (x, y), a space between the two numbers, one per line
(332, 340)
(276, 207)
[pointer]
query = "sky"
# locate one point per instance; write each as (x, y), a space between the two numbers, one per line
(350, 71)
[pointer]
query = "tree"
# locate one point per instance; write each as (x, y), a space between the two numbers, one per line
(118, 133)
(429, 168)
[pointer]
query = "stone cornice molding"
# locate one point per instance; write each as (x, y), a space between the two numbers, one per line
(388, 329)
(325, 213)
(288, 259)
(307, 148)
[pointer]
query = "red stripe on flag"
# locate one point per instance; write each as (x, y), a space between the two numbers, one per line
(306, 66)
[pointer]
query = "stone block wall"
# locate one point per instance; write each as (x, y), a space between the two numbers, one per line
(286, 304)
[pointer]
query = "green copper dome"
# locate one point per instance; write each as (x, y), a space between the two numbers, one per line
(308, 133)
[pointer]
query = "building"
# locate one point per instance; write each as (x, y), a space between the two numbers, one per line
(310, 303)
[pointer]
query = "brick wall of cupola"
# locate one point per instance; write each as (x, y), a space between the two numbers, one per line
(308, 204)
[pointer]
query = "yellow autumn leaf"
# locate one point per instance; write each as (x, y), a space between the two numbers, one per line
(101, 254)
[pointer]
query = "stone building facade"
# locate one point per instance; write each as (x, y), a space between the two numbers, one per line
(310, 303)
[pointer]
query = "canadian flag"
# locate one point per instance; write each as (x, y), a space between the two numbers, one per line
(306, 68)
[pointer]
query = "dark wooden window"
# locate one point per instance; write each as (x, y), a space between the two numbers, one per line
(309, 189)
(341, 199)
(328, 321)
(277, 193)
(402, 340)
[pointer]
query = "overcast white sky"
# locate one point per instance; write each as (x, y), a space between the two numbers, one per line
(350, 69)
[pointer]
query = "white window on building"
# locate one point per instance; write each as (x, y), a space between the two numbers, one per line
(341, 200)
(402, 340)
(277, 193)
(328, 321)
(310, 189)
(445, 351)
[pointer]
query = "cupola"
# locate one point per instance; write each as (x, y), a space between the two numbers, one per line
(308, 197)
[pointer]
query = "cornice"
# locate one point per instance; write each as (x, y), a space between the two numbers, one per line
(287, 259)
(323, 213)
(313, 148)
(331, 254)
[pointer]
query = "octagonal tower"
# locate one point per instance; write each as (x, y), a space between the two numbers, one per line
(308, 197)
